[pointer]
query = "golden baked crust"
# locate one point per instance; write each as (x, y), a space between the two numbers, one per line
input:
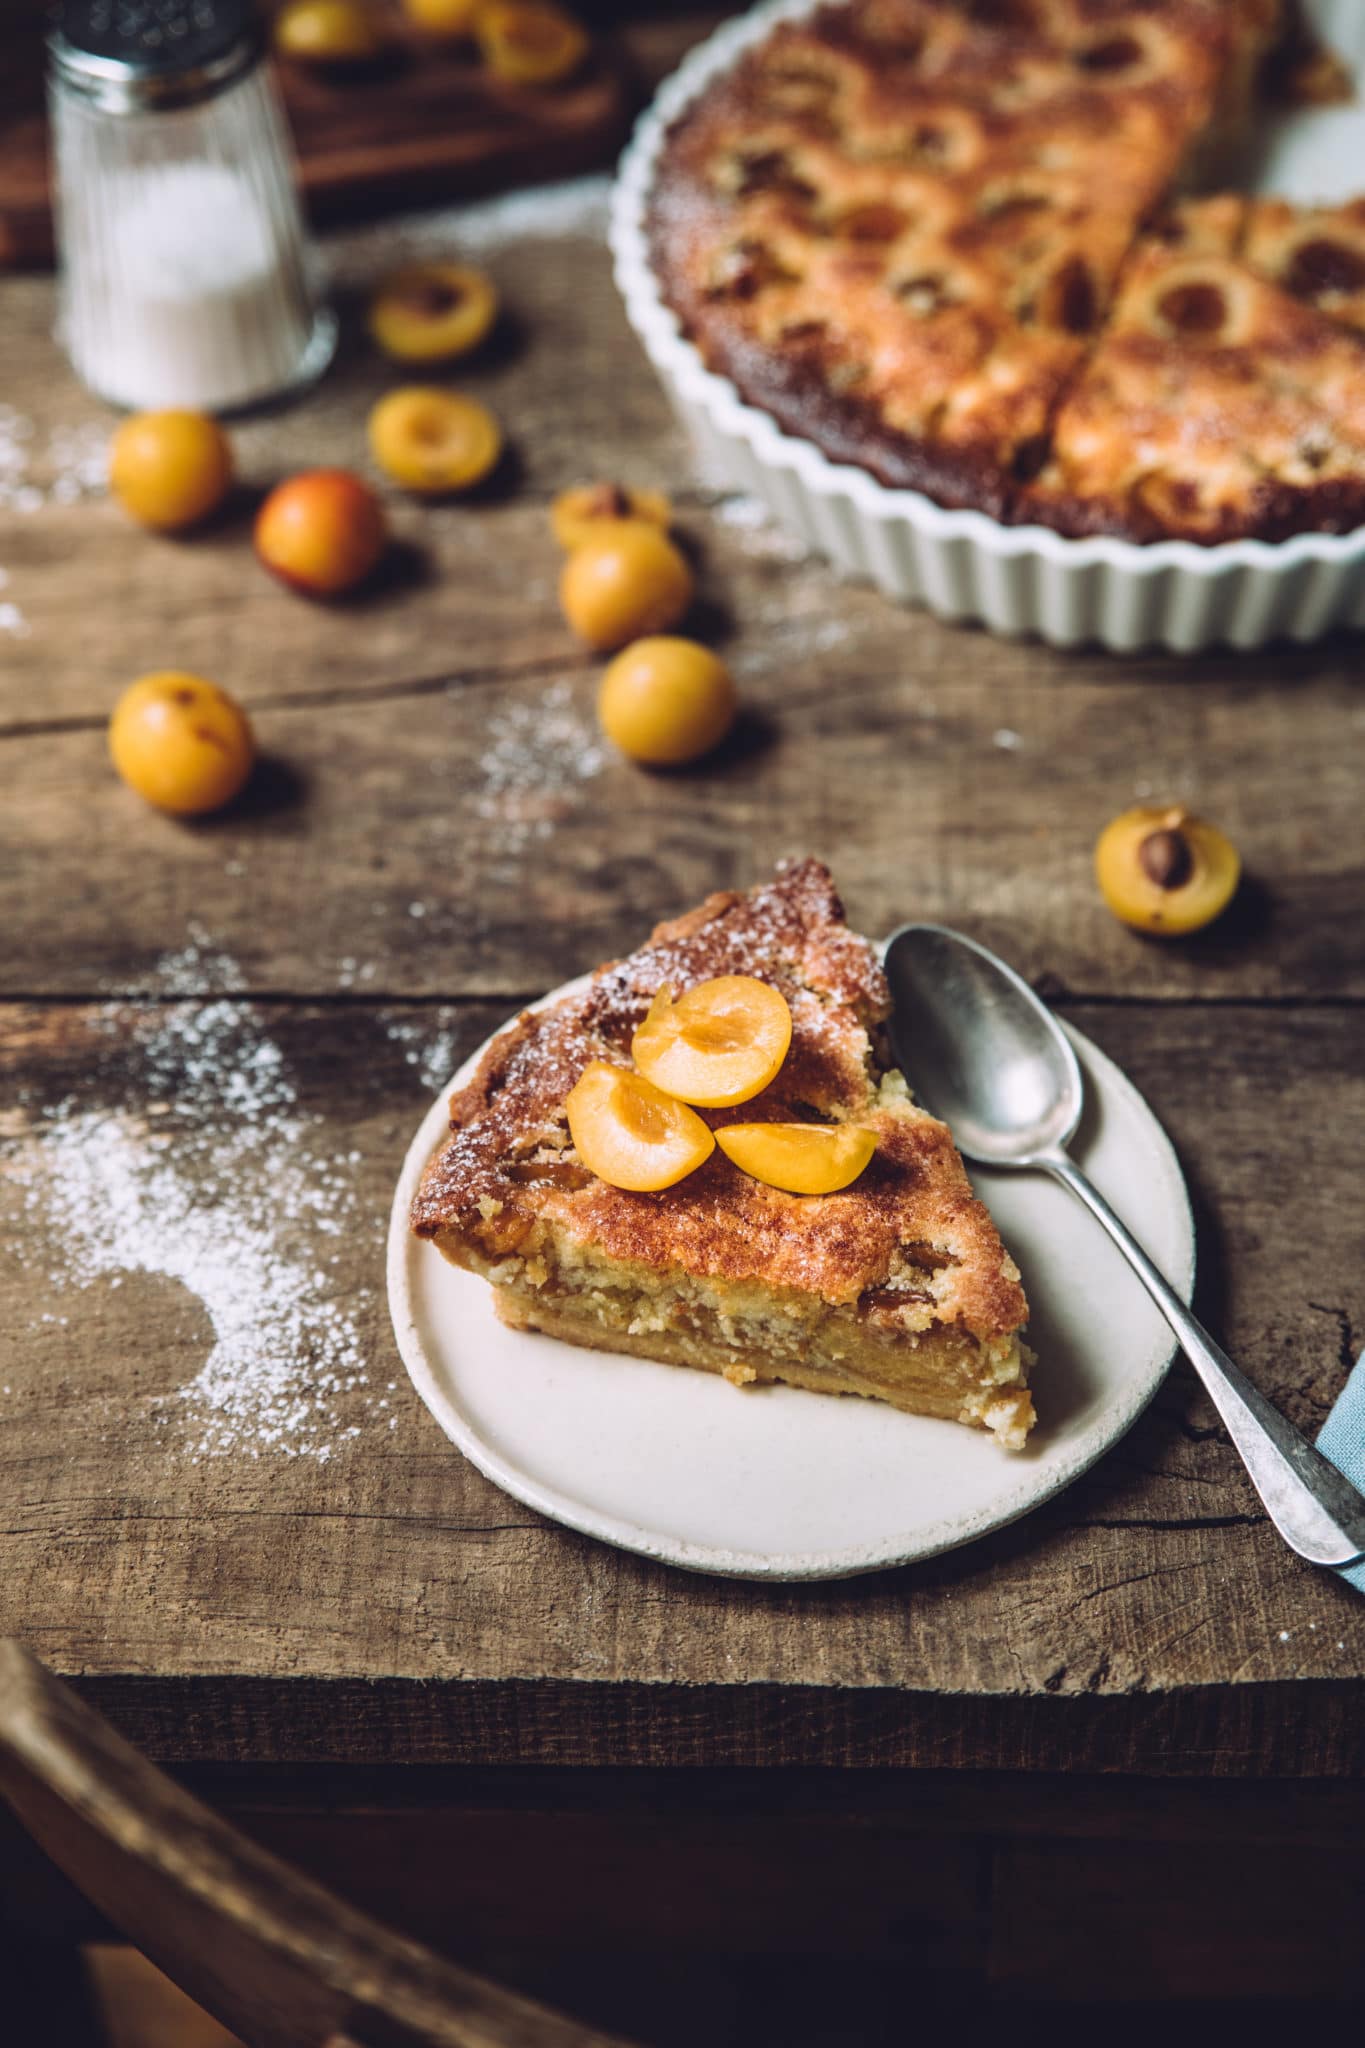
(918, 233)
(896, 225)
(904, 1260)
(941, 1376)
(1215, 407)
(1317, 253)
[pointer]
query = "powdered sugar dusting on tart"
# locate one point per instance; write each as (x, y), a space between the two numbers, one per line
(509, 1160)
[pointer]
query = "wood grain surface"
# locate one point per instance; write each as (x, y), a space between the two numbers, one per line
(425, 121)
(437, 834)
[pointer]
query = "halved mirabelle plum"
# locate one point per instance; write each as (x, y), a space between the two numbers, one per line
(434, 441)
(1162, 870)
(529, 42)
(629, 1133)
(720, 1043)
(803, 1159)
(432, 312)
(447, 21)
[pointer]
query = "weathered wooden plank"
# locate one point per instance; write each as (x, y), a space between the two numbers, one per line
(1128, 1921)
(1010, 1807)
(481, 839)
(471, 590)
(169, 1521)
(460, 599)
(945, 772)
(874, 1884)
(1293, 1729)
(563, 372)
(436, 819)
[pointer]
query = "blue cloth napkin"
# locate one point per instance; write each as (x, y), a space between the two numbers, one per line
(1342, 1439)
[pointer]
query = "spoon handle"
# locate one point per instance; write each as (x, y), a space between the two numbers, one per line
(1316, 1510)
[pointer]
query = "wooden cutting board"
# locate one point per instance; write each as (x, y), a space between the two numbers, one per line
(428, 125)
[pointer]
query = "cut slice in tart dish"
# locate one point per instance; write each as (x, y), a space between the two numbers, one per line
(1218, 405)
(895, 1285)
(917, 235)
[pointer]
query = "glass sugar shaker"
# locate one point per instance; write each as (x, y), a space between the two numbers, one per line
(186, 276)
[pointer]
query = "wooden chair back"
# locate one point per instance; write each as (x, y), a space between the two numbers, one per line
(269, 1953)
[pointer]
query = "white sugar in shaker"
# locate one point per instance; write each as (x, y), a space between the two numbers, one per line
(186, 276)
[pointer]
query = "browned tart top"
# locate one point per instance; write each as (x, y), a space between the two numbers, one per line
(510, 1162)
(905, 228)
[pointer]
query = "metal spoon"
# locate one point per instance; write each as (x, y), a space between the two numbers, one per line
(983, 1053)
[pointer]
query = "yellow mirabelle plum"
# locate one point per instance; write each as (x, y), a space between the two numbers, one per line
(629, 1133)
(329, 32)
(1164, 871)
(803, 1159)
(579, 513)
(181, 742)
(666, 701)
(529, 42)
(624, 582)
(432, 312)
(321, 532)
(170, 469)
(717, 1044)
(433, 441)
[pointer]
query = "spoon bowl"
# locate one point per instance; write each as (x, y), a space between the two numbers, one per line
(982, 1053)
(979, 1049)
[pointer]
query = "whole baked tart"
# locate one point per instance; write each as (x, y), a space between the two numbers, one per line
(943, 241)
(897, 1287)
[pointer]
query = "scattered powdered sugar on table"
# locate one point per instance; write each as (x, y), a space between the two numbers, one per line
(197, 968)
(786, 634)
(218, 1182)
(535, 762)
(431, 1052)
(12, 619)
(756, 530)
(827, 634)
(71, 463)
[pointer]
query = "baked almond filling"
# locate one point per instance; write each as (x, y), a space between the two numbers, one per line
(894, 1286)
(885, 1346)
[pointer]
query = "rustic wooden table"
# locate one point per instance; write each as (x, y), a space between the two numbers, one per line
(226, 1512)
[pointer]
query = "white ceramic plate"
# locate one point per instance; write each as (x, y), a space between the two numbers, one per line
(960, 564)
(772, 1483)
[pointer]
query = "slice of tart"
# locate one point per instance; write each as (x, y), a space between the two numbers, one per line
(1216, 405)
(1315, 252)
(897, 1287)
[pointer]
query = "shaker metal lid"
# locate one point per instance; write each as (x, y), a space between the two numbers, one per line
(130, 55)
